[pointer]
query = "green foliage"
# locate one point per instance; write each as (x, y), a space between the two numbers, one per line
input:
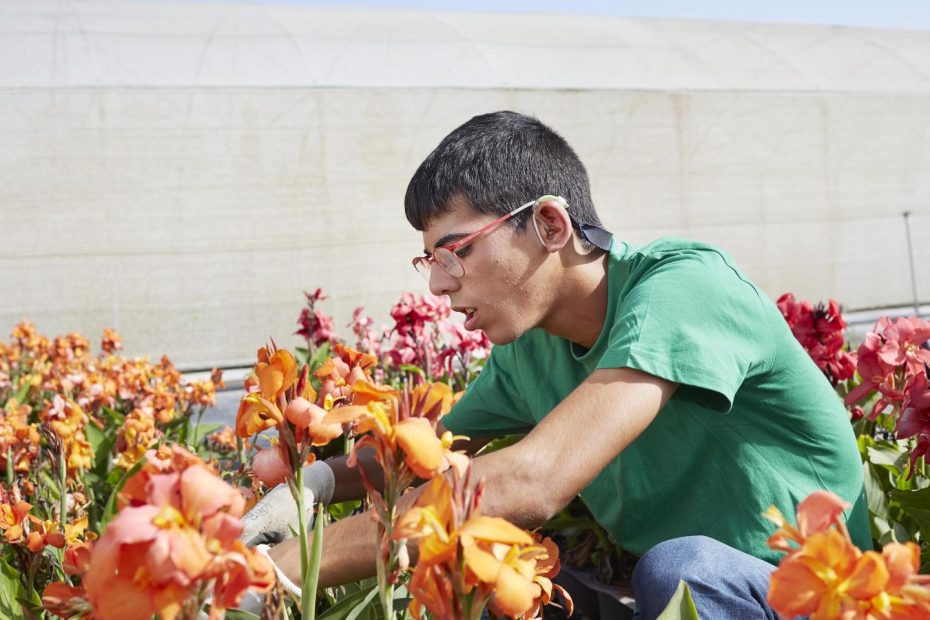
(681, 607)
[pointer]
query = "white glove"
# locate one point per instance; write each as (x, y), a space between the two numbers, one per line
(275, 516)
(252, 601)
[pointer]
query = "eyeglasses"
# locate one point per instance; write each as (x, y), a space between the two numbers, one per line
(446, 257)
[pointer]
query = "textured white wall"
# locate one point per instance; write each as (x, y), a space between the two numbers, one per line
(190, 216)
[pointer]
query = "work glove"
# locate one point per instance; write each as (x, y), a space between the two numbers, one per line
(275, 517)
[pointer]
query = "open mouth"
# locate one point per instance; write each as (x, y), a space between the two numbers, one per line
(471, 315)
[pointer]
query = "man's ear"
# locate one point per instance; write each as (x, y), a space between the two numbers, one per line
(553, 224)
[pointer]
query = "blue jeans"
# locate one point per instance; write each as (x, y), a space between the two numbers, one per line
(725, 583)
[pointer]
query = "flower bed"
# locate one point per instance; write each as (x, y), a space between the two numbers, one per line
(104, 464)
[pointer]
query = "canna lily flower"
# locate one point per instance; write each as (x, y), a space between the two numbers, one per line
(43, 533)
(903, 338)
(180, 536)
(272, 465)
(309, 419)
(498, 558)
(256, 414)
(11, 520)
(915, 417)
(276, 372)
(66, 601)
(404, 424)
(826, 576)
(76, 559)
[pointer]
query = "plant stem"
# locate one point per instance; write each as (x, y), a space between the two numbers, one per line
(9, 466)
(63, 482)
(307, 606)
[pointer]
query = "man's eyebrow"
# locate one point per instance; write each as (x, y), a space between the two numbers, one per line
(445, 241)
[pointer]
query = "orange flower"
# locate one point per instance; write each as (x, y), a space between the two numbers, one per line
(276, 372)
(11, 520)
(256, 414)
(77, 558)
(402, 424)
(825, 576)
(42, 533)
(260, 408)
(499, 559)
(137, 435)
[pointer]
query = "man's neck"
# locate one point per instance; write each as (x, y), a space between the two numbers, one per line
(580, 303)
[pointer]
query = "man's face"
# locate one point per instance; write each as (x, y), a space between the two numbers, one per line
(502, 290)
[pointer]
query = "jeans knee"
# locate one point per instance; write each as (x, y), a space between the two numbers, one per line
(667, 563)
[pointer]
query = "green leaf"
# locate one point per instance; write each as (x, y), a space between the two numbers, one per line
(916, 504)
(343, 509)
(875, 491)
(101, 442)
(11, 589)
(110, 510)
(681, 607)
(414, 370)
(202, 430)
(238, 614)
(351, 606)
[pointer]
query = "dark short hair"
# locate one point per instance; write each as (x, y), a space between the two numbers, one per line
(496, 162)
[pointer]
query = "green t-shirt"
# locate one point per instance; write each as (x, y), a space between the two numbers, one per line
(752, 423)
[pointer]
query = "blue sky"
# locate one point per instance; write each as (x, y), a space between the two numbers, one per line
(869, 13)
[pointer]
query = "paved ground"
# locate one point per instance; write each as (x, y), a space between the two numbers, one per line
(227, 402)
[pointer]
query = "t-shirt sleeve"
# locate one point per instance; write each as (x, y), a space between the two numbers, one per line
(693, 319)
(491, 405)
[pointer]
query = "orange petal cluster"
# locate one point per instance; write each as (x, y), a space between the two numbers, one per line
(262, 407)
(824, 575)
(503, 565)
(176, 533)
(401, 427)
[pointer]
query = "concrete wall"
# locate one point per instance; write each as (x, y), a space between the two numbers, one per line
(189, 213)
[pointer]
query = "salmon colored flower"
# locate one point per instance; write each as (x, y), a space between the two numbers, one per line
(271, 465)
(66, 601)
(76, 559)
(176, 534)
(308, 418)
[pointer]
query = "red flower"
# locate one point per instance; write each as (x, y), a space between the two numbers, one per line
(820, 331)
(915, 416)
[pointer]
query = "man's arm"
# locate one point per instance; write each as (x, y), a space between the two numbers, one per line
(528, 482)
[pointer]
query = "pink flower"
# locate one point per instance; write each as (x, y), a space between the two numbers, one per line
(903, 338)
(316, 326)
(915, 416)
(876, 374)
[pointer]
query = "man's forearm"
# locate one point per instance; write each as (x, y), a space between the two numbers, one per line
(348, 479)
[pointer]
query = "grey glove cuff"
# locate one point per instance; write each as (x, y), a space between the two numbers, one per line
(320, 479)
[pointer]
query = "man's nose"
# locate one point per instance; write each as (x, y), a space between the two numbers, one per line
(440, 282)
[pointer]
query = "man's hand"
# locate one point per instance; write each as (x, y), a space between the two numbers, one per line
(275, 517)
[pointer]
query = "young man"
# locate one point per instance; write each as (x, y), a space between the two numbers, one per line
(657, 382)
